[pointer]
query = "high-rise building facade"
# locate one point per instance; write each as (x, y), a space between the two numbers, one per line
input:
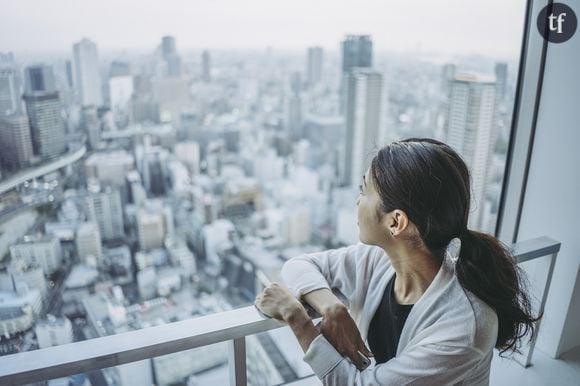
(314, 65)
(501, 73)
(470, 126)
(88, 241)
(9, 92)
(39, 78)
(105, 208)
(45, 252)
(88, 79)
(170, 55)
(150, 230)
(364, 101)
(47, 126)
(15, 142)
(357, 51)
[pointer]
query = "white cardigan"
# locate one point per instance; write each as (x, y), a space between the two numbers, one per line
(448, 337)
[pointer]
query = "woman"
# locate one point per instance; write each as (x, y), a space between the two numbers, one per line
(430, 317)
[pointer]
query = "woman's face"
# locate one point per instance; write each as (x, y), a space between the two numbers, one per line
(371, 229)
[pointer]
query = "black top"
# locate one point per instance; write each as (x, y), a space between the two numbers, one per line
(387, 324)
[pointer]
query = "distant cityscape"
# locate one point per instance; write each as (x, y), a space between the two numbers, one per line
(138, 190)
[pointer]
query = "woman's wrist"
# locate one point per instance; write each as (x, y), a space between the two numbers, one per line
(334, 309)
(301, 325)
(294, 312)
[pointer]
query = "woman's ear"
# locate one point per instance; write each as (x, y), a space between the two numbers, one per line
(398, 222)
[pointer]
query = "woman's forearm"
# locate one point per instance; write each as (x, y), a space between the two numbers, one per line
(322, 300)
(302, 327)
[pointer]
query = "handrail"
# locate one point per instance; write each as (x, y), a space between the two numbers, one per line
(133, 346)
(234, 326)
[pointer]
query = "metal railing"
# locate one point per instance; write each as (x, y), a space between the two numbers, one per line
(232, 326)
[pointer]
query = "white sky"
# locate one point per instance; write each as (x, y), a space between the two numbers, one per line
(486, 27)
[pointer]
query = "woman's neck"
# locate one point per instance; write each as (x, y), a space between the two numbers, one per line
(415, 270)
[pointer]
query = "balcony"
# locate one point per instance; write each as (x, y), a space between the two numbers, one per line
(231, 326)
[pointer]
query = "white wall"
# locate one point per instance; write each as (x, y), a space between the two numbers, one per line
(552, 200)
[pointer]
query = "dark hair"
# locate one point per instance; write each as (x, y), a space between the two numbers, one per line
(430, 182)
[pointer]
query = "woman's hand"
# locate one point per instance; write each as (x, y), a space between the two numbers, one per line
(341, 331)
(277, 302)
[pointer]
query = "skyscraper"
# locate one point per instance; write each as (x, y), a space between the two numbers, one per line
(15, 142)
(357, 51)
(470, 132)
(364, 100)
(206, 66)
(168, 47)
(105, 209)
(44, 112)
(46, 124)
(501, 71)
(9, 92)
(88, 79)
(39, 78)
(314, 65)
(170, 55)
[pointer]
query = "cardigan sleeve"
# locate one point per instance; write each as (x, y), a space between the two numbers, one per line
(347, 269)
(427, 364)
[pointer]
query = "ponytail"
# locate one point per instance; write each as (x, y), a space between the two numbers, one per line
(486, 268)
(430, 182)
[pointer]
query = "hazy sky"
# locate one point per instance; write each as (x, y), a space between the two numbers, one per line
(487, 27)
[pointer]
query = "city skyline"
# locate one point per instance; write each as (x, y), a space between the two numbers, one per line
(409, 27)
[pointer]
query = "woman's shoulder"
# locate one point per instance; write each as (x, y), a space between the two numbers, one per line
(478, 320)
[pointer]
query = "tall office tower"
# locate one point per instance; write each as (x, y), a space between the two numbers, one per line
(447, 77)
(91, 125)
(501, 72)
(170, 55)
(206, 66)
(293, 107)
(314, 65)
(168, 47)
(39, 78)
(15, 142)
(152, 163)
(88, 79)
(69, 74)
(9, 92)
(119, 68)
(104, 207)
(88, 241)
(46, 124)
(120, 94)
(44, 112)
(357, 51)
(364, 92)
(293, 116)
(174, 66)
(470, 132)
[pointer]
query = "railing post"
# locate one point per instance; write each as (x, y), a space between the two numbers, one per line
(237, 362)
(528, 360)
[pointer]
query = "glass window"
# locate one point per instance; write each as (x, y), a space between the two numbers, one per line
(161, 162)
